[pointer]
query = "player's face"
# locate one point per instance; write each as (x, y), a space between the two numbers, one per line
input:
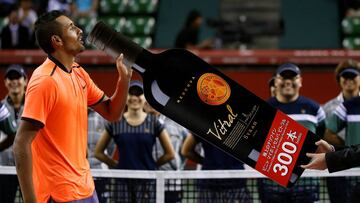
(350, 82)
(15, 85)
(288, 86)
(72, 36)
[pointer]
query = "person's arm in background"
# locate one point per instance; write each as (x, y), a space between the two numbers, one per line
(100, 147)
(8, 127)
(320, 128)
(23, 156)
(112, 108)
(188, 150)
(205, 44)
(334, 124)
(333, 138)
(169, 152)
(7, 142)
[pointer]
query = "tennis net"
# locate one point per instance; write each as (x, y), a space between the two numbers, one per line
(195, 186)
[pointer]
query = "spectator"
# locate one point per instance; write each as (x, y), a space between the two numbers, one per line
(15, 83)
(60, 5)
(6, 6)
(14, 35)
(135, 136)
(188, 37)
(351, 7)
(288, 82)
(346, 116)
(27, 15)
(347, 77)
(211, 190)
(85, 8)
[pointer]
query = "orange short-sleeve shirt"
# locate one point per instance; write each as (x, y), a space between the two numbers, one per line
(58, 100)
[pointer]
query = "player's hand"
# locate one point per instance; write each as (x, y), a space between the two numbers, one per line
(317, 162)
(124, 72)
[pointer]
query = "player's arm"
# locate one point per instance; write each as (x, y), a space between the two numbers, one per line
(169, 152)
(112, 108)
(188, 150)
(23, 158)
(100, 147)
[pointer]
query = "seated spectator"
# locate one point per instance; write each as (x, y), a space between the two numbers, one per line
(188, 37)
(27, 15)
(27, 18)
(84, 8)
(6, 6)
(14, 35)
(61, 5)
(351, 7)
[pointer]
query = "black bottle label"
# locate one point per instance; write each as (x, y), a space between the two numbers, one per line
(220, 111)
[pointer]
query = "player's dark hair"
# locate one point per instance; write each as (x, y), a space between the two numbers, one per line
(45, 27)
(192, 16)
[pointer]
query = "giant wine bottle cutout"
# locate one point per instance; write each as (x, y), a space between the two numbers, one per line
(215, 108)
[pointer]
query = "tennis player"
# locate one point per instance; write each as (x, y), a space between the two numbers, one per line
(50, 145)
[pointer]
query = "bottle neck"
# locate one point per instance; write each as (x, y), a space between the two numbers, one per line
(113, 43)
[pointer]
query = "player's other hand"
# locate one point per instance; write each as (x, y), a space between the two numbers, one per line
(124, 72)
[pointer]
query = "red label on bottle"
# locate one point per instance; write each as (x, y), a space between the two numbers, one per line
(281, 149)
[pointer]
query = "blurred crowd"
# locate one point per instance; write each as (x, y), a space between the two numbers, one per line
(19, 18)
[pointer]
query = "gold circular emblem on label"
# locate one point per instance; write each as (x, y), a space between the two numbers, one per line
(212, 89)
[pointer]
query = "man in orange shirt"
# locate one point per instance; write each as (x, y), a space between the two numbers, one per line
(50, 145)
